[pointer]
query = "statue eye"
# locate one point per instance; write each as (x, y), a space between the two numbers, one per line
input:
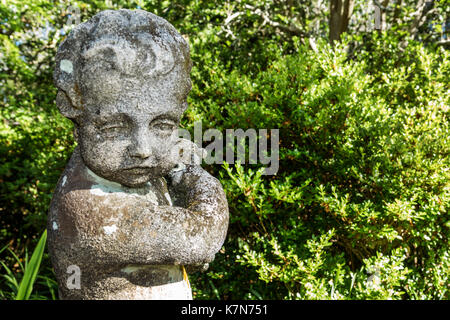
(163, 126)
(113, 130)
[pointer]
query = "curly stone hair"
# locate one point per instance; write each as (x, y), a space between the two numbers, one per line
(164, 49)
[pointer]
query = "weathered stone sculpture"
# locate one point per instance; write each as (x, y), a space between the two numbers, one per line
(128, 212)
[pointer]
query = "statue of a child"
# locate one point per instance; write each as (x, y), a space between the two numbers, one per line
(127, 212)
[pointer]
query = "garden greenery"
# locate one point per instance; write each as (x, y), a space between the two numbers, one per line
(359, 207)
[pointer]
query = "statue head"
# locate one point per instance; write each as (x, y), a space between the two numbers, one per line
(123, 79)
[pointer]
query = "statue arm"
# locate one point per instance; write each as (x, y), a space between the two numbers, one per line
(193, 188)
(120, 228)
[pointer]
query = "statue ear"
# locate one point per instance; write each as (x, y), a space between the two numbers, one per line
(66, 106)
(69, 97)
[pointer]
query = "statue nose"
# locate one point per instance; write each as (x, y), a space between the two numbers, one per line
(141, 146)
(141, 152)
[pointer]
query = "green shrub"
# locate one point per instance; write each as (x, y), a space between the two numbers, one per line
(359, 208)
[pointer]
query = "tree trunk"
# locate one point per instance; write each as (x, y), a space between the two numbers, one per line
(340, 13)
(397, 12)
(384, 3)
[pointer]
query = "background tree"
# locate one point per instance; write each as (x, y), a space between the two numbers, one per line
(340, 13)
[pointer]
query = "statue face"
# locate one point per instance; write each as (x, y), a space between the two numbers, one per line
(127, 132)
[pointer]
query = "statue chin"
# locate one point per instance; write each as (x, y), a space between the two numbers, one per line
(132, 178)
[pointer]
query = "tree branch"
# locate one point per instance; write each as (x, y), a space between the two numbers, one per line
(286, 28)
(420, 8)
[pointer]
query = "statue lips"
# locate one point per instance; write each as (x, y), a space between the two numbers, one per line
(141, 170)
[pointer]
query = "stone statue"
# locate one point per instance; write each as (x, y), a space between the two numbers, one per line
(129, 212)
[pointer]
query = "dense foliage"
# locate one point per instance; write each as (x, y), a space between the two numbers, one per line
(359, 207)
